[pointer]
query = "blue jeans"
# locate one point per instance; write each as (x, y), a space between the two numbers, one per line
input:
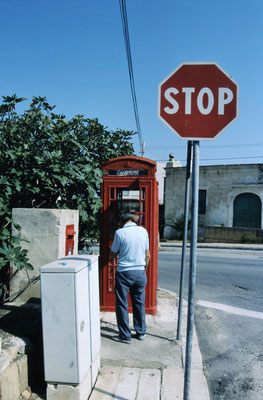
(135, 282)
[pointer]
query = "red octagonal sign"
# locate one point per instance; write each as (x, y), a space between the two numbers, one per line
(198, 100)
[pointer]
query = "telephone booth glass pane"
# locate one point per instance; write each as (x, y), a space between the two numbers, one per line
(127, 200)
(124, 199)
(111, 221)
(112, 193)
(128, 194)
(127, 206)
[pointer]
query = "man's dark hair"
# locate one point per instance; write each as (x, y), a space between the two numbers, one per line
(135, 216)
(125, 216)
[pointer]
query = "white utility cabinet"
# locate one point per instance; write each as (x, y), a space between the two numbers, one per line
(70, 318)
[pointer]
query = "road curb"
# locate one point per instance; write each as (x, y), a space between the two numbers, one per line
(224, 246)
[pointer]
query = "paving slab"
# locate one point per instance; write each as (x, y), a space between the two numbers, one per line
(153, 368)
(199, 389)
(106, 384)
(128, 384)
(172, 383)
(149, 385)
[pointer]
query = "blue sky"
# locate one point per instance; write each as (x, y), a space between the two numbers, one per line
(73, 53)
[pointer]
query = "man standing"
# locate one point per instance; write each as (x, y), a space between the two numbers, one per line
(131, 244)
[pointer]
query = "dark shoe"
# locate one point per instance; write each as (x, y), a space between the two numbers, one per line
(139, 337)
(121, 339)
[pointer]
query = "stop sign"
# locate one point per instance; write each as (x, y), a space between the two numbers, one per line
(198, 100)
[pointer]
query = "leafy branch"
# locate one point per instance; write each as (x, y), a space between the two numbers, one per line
(49, 161)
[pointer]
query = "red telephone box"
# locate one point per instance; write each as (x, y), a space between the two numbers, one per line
(128, 183)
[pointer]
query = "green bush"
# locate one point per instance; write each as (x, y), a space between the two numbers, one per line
(47, 161)
(178, 225)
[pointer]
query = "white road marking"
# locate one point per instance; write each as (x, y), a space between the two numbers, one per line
(230, 309)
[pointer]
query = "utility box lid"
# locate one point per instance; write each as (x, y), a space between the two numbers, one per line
(64, 265)
(88, 258)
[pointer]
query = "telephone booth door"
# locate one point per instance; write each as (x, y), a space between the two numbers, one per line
(129, 183)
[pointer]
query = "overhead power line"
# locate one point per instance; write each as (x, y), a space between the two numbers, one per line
(209, 146)
(230, 158)
(220, 159)
(125, 28)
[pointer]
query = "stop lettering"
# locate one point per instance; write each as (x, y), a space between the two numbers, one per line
(225, 96)
(198, 101)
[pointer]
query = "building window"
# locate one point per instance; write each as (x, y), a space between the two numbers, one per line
(202, 202)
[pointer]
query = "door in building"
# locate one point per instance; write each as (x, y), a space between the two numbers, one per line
(247, 211)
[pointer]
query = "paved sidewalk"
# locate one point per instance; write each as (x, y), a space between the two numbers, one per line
(152, 369)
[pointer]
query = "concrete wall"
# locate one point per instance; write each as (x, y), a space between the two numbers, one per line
(45, 233)
(222, 184)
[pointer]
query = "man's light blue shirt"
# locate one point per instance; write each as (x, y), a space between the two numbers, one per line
(130, 242)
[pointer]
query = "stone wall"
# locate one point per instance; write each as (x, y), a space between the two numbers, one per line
(13, 369)
(21, 360)
(232, 235)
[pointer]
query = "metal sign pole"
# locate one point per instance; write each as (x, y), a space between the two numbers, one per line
(186, 212)
(192, 271)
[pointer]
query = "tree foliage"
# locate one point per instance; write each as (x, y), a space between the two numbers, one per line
(48, 161)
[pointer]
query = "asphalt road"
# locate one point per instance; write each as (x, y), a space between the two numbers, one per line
(228, 317)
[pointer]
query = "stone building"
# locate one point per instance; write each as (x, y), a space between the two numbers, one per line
(230, 196)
